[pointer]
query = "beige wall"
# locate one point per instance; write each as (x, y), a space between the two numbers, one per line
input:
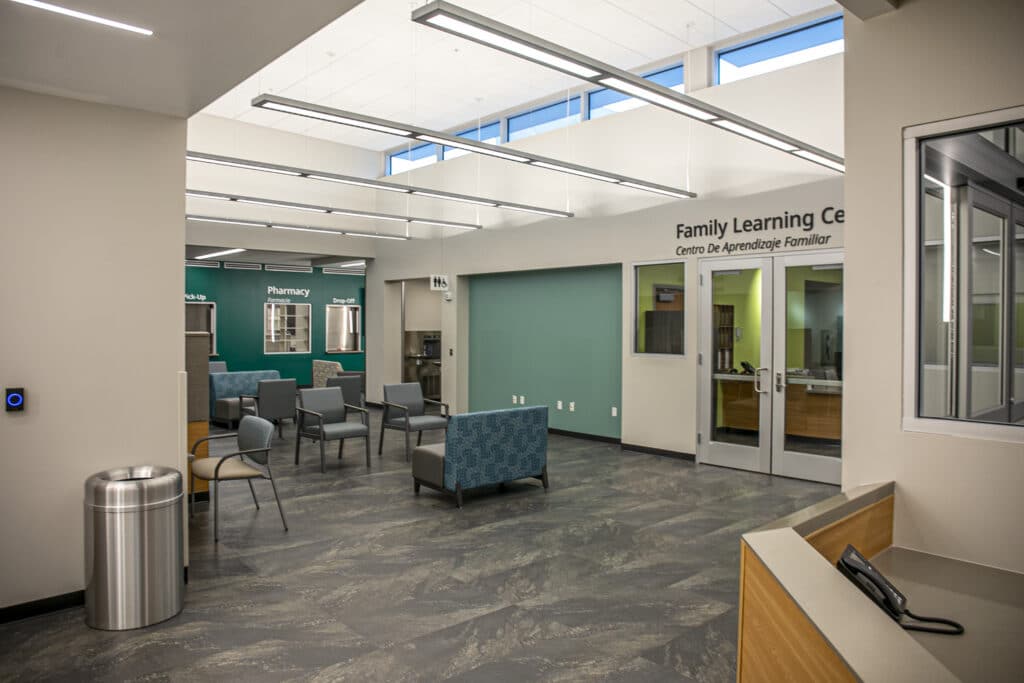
(659, 393)
(93, 236)
(422, 307)
(927, 61)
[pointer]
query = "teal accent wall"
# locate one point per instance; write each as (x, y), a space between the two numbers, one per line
(549, 335)
(240, 295)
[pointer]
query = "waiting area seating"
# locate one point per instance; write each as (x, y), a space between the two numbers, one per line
(227, 390)
(274, 401)
(323, 416)
(404, 410)
(490, 447)
(254, 438)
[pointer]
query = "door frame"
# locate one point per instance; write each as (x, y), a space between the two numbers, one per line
(760, 458)
(796, 464)
(752, 458)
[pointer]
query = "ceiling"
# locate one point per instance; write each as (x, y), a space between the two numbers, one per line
(199, 48)
(375, 60)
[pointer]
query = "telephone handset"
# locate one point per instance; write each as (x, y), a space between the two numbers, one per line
(748, 369)
(873, 583)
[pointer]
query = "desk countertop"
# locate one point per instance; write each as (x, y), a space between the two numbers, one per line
(988, 602)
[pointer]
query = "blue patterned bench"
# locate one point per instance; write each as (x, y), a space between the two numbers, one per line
(490, 447)
(227, 390)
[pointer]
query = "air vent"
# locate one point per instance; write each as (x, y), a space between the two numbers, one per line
(233, 265)
(344, 271)
(202, 264)
(289, 269)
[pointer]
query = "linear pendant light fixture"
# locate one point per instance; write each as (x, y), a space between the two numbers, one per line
(57, 9)
(316, 111)
(354, 213)
(249, 164)
(480, 29)
(289, 226)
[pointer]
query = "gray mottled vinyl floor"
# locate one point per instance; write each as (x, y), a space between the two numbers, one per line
(626, 570)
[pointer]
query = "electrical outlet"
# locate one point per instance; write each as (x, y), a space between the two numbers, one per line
(522, 400)
(558, 405)
(615, 411)
(515, 399)
(572, 406)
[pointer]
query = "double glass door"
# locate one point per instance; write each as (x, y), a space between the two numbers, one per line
(771, 365)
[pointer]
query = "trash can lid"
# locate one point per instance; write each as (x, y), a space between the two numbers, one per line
(133, 488)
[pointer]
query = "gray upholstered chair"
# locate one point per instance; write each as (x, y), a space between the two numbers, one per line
(404, 410)
(351, 389)
(275, 401)
(254, 437)
(322, 417)
(218, 366)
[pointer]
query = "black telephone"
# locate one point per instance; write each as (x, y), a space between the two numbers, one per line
(748, 369)
(871, 581)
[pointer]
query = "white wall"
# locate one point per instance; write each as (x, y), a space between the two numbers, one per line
(929, 60)
(92, 259)
(659, 394)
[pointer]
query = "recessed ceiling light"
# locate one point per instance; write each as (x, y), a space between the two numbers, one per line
(84, 16)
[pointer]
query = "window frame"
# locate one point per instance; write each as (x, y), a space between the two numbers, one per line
(479, 138)
(309, 329)
(507, 128)
(407, 150)
(764, 38)
(911, 192)
(635, 305)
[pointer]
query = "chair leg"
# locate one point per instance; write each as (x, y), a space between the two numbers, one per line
(341, 447)
(323, 458)
(458, 495)
(298, 442)
(278, 499)
(407, 444)
(367, 447)
(280, 429)
(216, 509)
(192, 496)
(380, 444)
(544, 477)
(416, 486)
(253, 492)
(419, 438)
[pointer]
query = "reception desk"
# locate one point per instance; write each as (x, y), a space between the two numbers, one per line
(802, 620)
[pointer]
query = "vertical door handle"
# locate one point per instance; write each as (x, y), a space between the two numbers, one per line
(779, 383)
(757, 380)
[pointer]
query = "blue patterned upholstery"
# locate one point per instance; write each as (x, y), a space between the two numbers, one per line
(235, 384)
(495, 446)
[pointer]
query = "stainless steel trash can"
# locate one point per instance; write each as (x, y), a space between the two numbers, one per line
(134, 562)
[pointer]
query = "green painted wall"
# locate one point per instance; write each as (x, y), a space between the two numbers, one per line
(240, 295)
(742, 291)
(549, 335)
(646, 278)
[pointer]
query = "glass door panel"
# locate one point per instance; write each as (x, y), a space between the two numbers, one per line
(808, 367)
(985, 353)
(736, 345)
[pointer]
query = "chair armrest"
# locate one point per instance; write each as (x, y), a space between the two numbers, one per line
(365, 413)
(302, 412)
(396, 406)
(210, 438)
(446, 412)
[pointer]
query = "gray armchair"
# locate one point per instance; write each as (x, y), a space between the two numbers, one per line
(275, 401)
(351, 389)
(254, 437)
(322, 417)
(404, 410)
